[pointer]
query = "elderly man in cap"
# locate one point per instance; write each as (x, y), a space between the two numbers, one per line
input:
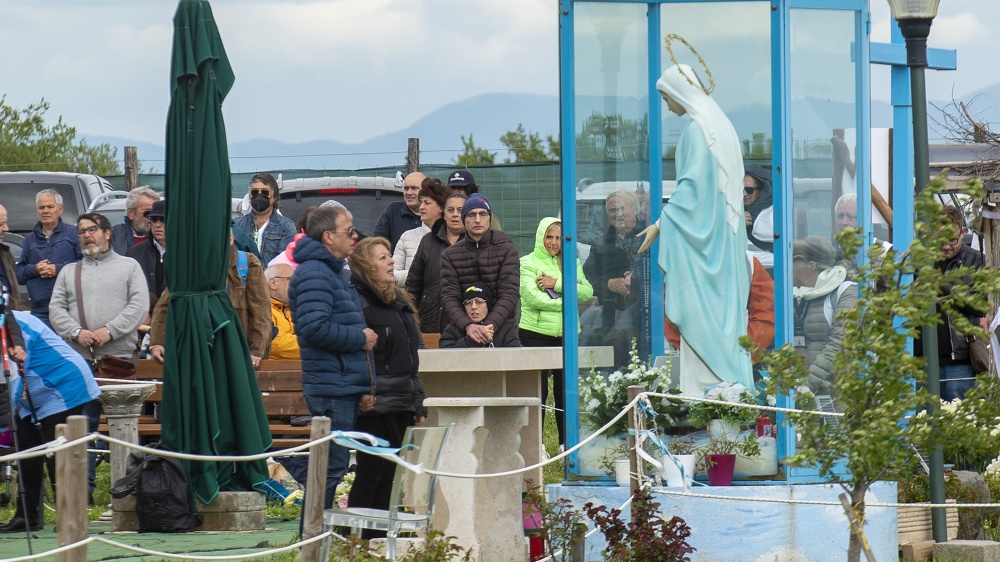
(149, 254)
(400, 216)
(477, 300)
(482, 255)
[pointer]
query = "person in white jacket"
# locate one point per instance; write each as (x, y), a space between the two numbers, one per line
(432, 196)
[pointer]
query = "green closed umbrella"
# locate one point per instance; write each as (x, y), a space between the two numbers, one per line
(211, 402)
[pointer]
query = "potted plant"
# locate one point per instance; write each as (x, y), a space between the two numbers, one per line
(602, 397)
(719, 457)
(723, 421)
(614, 462)
(681, 456)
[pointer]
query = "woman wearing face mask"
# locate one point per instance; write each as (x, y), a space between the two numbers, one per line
(542, 303)
(270, 231)
(432, 198)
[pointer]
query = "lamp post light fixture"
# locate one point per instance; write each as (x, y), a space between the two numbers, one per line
(914, 18)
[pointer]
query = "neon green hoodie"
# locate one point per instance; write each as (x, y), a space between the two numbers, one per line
(540, 313)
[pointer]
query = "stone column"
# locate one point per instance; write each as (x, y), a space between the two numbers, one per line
(122, 406)
(484, 514)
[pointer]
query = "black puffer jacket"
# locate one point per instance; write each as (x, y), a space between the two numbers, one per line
(953, 346)
(424, 278)
(492, 260)
(397, 383)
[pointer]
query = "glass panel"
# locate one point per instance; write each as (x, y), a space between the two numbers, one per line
(823, 121)
(612, 168)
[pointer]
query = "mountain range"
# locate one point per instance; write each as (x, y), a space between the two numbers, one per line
(486, 117)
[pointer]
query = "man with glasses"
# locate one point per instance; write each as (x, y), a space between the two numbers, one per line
(400, 216)
(149, 254)
(330, 324)
(270, 231)
(477, 303)
(98, 304)
(284, 344)
(135, 229)
(482, 255)
(953, 346)
(47, 248)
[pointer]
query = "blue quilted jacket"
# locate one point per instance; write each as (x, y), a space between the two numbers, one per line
(329, 323)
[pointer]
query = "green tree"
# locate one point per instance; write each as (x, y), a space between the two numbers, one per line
(612, 138)
(526, 146)
(473, 155)
(876, 387)
(27, 142)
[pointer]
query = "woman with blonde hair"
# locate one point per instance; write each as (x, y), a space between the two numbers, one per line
(399, 394)
(541, 322)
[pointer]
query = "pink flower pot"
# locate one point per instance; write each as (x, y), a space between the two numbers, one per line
(720, 473)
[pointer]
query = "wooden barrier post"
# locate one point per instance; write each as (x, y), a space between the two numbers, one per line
(312, 509)
(412, 155)
(71, 490)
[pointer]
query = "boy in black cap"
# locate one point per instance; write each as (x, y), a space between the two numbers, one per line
(477, 300)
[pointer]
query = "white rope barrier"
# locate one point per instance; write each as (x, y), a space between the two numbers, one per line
(743, 405)
(52, 552)
(178, 556)
(128, 381)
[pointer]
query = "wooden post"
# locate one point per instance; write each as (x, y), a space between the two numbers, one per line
(71, 490)
(633, 460)
(131, 168)
(312, 509)
(412, 155)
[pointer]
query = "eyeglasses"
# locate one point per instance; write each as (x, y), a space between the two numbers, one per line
(87, 230)
(749, 190)
(477, 215)
(476, 301)
(256, 192)
(156, 219)
(348, 232)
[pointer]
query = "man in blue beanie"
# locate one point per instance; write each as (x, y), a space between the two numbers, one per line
(482, 255)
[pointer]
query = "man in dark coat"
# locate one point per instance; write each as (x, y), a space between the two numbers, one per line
(953, 346)
(135, 229)
(423, 281)
(149, 254)
(484, 255)
(399, 216)
(330, 325)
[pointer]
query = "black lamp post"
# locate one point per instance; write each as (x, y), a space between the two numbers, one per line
(915, 18)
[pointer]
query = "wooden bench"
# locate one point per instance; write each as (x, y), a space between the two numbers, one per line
(280, 384)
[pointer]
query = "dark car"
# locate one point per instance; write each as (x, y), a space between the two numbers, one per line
(364, 197)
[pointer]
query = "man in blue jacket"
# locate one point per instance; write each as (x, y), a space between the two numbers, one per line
(330, 325)
(270, 231)
(47, 248)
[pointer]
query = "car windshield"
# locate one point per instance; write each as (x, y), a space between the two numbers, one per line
(365, 205)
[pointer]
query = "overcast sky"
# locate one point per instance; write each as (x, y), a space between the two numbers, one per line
(345, 70)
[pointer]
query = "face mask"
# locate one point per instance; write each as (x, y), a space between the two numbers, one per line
(260, 203)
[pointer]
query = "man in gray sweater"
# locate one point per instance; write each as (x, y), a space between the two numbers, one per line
(114, 301)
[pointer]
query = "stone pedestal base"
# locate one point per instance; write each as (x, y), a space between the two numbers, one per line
(231, 511)
(483, 515)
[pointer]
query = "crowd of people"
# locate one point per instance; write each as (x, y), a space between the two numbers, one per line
(353, 307)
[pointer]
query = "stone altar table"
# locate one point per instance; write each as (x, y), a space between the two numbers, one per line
(484, 515)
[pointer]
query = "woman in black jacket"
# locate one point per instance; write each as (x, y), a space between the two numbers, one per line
(399, 394)
(424, 278)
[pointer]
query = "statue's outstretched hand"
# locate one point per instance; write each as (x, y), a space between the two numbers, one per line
(651, 232)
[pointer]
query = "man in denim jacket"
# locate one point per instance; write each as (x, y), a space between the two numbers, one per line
(271, 231)
(51, 245)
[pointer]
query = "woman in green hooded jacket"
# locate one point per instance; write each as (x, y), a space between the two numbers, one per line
(541, 322)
